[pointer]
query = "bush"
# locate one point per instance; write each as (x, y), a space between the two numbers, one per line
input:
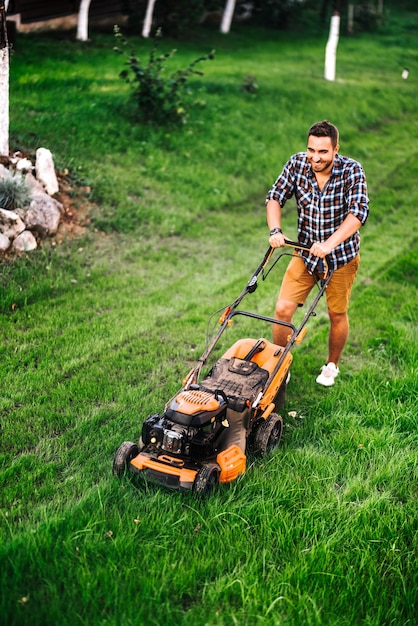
(366, 17)
(177, 17)
(14, 192)
(281, 14)
(159, 99)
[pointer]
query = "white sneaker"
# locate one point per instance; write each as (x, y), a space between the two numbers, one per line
(329, 373)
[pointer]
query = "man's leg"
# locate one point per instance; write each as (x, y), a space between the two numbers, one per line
(284, 312)
(338, 297)
(338, 334)
(296, 285)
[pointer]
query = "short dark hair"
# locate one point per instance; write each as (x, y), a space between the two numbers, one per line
(325, 129)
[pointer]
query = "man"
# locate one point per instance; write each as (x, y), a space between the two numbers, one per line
(332, 203)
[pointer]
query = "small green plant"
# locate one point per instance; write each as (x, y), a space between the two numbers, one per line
(159, 99)
(14, 192)
(249, 84)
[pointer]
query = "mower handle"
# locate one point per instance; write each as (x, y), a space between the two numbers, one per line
(298, 246)
(252, 283)
(229, 311)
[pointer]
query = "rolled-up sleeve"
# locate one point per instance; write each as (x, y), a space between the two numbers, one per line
(356, 193)
(284, 186)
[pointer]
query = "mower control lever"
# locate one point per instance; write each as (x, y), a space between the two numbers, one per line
(252, 284)
(302, 246)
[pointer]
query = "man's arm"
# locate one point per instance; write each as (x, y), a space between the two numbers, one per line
(274, 217)
(350, 225)
(281, 191)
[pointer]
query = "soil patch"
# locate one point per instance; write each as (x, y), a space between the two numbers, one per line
(77, 207)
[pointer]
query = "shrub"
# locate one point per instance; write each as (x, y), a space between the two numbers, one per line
(14, 192)
(366, 17)
(159, 99)
(283, 13)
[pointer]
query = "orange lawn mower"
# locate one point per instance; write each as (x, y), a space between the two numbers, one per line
(206, 430)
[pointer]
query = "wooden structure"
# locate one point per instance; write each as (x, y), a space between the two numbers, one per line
(35, 14)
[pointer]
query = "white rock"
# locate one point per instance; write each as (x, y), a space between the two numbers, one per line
(24, 165)
(3, 171)
(45, 170)
(25, 242)
(34, 185)
(10, 223)
(43, 214)
(4, 243)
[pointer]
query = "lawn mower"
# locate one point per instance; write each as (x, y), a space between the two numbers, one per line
(206, 430)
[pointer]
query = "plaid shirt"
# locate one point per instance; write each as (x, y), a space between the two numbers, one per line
(320, 213)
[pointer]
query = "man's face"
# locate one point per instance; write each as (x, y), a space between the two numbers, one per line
(321, 154)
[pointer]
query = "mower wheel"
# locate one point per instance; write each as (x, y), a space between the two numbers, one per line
(123, 456)
(268, 434)
(206, 479)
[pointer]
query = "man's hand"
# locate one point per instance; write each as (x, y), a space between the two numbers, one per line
(350, 225)
(320, 249)
(277, 240)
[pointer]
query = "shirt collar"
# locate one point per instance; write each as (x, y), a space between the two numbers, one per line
(337, 168)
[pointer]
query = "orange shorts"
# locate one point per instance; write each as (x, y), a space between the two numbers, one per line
(298, 282)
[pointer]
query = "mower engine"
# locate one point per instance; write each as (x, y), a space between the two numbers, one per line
(190, 427)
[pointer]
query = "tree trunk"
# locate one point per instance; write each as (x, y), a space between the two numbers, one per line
(148, 18)
(331, 48)
(350, 19)
(227, 16)
(4, 83)
(324, 10)
(83, 21)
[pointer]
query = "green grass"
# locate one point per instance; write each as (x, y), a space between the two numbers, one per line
(99, 332)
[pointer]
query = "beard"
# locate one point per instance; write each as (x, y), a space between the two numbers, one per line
(322, 166)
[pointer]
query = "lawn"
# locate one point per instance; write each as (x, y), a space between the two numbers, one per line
(99, 331)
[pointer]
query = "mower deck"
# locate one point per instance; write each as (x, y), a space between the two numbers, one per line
(177, 473)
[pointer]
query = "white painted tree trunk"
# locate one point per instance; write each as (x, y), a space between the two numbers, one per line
(4, 101)
(331, 48)
(146, 29)
(4, 85)
(83, 21)
(227, 16)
